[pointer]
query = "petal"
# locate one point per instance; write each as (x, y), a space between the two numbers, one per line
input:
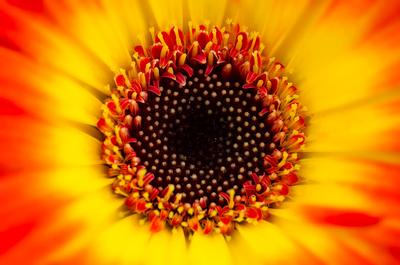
(206, 249)
(264, 242)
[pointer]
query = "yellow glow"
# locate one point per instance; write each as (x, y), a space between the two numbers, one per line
(77, 181)
(315, 240)
(122, 242)
(329, 196)
(332, 71)
(205, 250)
(168, 13)
(207, 11)
(72, 101)
(349, 129)
(73, 146)
(260, 242)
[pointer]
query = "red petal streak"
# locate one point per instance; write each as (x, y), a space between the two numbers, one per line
(36, 6)
(352, 219)
(384, 30)
(13, 235)
(346, 218)
(8, 107)
(394, 251)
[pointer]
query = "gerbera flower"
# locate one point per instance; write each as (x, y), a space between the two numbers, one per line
(187, 132)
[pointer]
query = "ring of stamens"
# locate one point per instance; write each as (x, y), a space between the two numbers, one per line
(202, 131)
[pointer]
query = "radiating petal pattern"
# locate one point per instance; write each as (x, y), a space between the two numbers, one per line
(58, 58)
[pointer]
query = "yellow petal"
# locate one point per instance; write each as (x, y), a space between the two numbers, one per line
(206, 249)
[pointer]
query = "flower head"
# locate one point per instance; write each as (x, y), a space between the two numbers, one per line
(202, 132)
(199, 132)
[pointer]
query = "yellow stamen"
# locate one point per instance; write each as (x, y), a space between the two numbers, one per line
(140, 175)
(182, 59)
(239, 42)
(178, 39)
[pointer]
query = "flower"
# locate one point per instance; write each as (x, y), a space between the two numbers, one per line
(217, 124)
(59, 57)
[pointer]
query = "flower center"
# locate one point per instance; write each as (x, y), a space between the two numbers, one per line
(203, 131)
(205, 137)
